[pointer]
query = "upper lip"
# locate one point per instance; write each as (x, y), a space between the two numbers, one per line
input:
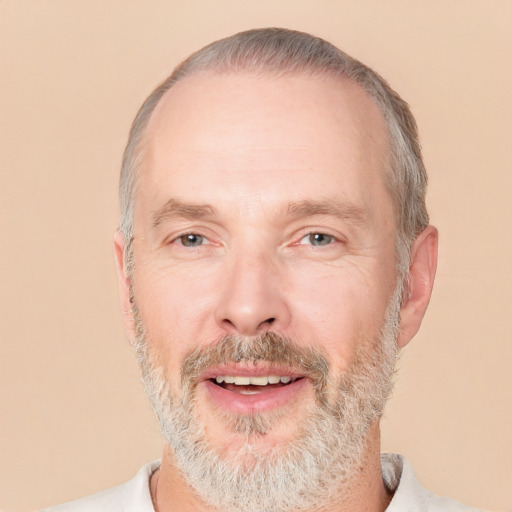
(244, 370)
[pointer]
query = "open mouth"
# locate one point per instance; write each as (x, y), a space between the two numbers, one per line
(244, 389)
(249, 385)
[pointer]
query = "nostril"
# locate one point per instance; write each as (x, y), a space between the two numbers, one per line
(248, 328)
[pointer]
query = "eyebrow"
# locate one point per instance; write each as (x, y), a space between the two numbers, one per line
(342, 209)
(175, 208)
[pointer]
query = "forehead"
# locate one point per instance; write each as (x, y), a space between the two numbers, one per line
(240, 131)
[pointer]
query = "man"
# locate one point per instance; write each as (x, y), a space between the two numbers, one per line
(274, 256)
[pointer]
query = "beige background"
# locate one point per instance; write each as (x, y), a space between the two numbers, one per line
(73, 418)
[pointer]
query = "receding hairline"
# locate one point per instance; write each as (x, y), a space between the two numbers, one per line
(340, 83)
(261, 73)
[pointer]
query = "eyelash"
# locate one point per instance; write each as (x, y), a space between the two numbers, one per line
(203, 239)
(318, 234)
(179, 239)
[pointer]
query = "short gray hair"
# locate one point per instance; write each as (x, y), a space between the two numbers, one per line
(282, 51)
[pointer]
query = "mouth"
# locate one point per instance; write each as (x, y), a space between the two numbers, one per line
(247, 385)
(248, 392)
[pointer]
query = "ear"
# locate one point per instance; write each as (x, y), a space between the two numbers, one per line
(124, 287)
(420, 281)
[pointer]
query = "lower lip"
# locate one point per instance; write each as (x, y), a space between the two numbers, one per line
(263, 401)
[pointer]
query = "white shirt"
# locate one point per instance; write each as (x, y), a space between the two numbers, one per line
(134, 496)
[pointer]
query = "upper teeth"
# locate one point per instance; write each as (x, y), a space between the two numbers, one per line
(255, 381)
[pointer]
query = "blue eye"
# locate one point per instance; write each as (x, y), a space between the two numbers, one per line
(317, 239)
(192, 240)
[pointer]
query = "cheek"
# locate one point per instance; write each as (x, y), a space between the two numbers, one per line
(175, 310)
(338, 312)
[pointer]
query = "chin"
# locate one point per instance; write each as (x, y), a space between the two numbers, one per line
(246, 440)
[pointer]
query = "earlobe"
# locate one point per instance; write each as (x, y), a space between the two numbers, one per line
(124, 286)
(420, 281)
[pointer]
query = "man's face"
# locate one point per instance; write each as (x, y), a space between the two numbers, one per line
(262, 208)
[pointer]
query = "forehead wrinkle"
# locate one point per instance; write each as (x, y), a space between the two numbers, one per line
(174, 208)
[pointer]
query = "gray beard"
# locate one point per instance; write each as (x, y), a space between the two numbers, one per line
(316, 465)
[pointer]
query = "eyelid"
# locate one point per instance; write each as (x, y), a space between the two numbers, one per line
(179, 236)
(308, 231)
(322, 233)
(203, 240)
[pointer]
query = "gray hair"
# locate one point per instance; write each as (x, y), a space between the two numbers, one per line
(282, 51)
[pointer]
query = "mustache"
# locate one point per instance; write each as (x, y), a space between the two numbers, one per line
(269, 347)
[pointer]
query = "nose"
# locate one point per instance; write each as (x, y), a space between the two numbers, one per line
(252, 299)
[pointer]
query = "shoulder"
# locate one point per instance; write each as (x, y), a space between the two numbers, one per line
(132, 496)
(408, 492)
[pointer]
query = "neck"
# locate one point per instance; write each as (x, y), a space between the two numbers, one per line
(364, 492)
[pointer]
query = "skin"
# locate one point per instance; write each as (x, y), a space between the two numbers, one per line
(249, 147)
